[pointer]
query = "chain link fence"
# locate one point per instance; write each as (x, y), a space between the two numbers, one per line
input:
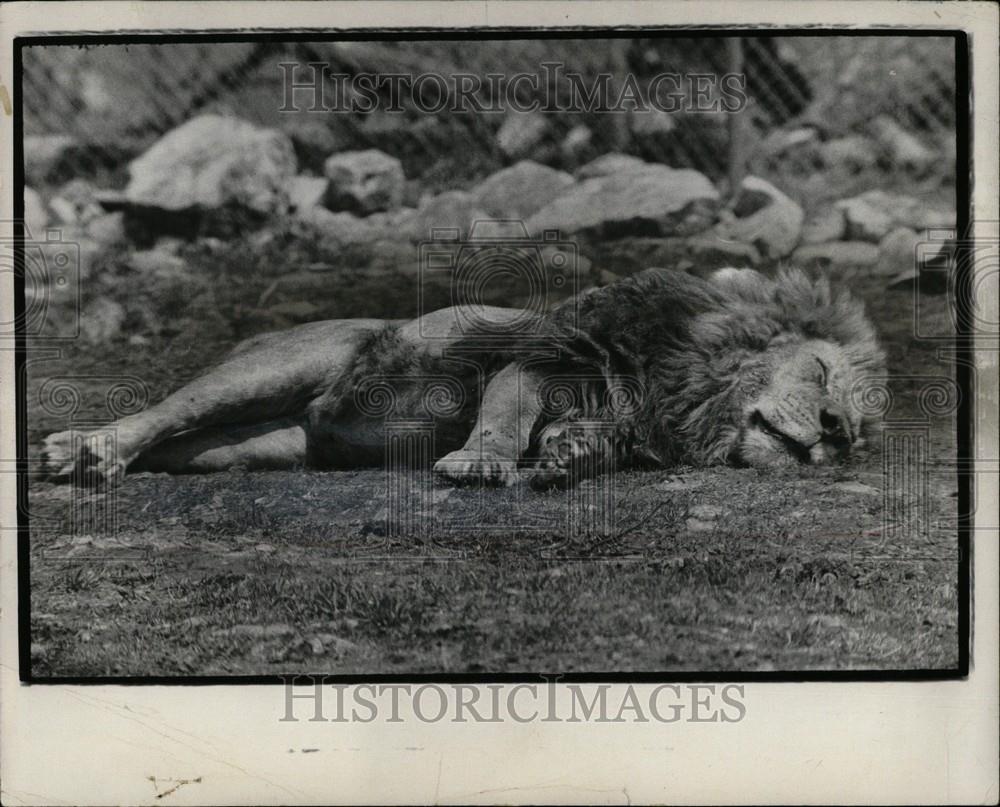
(823, 114)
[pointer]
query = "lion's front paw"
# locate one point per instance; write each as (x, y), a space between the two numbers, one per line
(86, 457)
(464, 467)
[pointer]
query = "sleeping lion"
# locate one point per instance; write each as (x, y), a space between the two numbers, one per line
(660, 369)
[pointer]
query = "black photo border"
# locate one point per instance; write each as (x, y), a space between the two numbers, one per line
(963, 346)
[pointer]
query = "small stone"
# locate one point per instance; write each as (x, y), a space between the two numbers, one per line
(521, 132)
(904, 149)
(823, 226)
(364, 182)
(838, 254)
(865, 220)
(766, 218)
(705, 512)
(853, 154)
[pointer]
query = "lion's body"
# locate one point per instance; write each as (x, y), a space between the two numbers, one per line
(662, 368)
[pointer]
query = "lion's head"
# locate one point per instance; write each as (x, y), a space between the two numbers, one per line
(783, 361)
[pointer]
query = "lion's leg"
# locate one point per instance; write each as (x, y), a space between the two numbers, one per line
(507, 415)
(275, 445)
(266, 378)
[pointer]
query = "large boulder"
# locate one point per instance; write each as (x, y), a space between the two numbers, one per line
(657, 201)
(609, 165)
(764, 217)
(214, 161)
(364, 182)
(885, 211)
(520, 190)
(453, 211)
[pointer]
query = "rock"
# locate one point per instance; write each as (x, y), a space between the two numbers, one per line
(340, 228)
(305, 192)
(865, 220)
(766, 218)
(906, 211)
(852, 154)
(108, 228)
(520, 190)
(785, 142)
(102, 320)
(452, 210)
(652, 123)
(44, 156)
(609, 165)
(898, 250)
(710, 251)
(159, 262)
(576, 143)
(313, 140)
(826, 225)
(364, 182)
(659, 201)
(521, 132)
(36, 217)
(212, 161)
(837, 254)
(705, 512)
(76, 202)
(905, 150)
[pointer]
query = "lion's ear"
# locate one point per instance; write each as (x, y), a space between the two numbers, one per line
(748, 283)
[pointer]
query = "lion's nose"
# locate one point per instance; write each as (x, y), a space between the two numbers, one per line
(835, 425)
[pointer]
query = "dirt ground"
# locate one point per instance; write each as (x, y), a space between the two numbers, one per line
(259, 573)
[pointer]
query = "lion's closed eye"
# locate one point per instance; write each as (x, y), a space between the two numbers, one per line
(824, 372)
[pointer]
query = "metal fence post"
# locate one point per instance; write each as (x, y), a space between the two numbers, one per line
(734, 65)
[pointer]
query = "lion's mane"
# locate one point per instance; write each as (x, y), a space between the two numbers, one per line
(686, 344)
